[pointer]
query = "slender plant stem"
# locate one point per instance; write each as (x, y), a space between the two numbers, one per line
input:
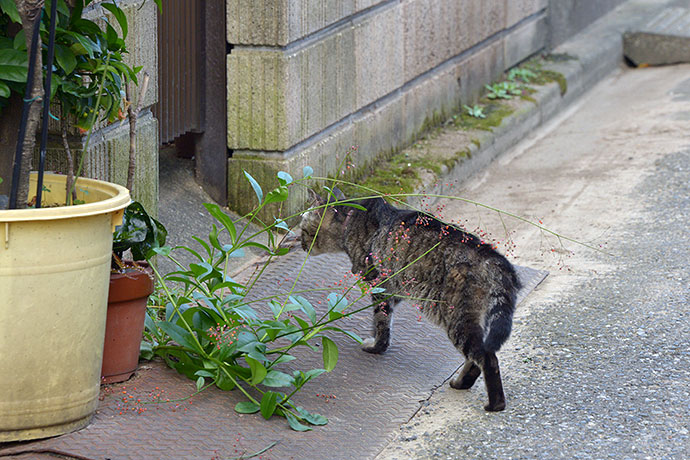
(94, 116)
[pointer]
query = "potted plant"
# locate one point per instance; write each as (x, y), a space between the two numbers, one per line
(131, 283)
(55, 259)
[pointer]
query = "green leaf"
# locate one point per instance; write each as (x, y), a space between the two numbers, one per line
(150, 324)
(314, 419)
(350, 334)
(268, 404)
(163, 251)
(284, 178)
(337, 302)
(213, 237)
(334, 315)
(204, 373)
(354, 205)
(258, 370)
(201, 270)
(330, 353)
(88, 46)
(277, 379)
(275, 308)
(224, 383)
(223, 218)
(19, 42)
(10, 9)
(145, 348)
(302, 324)
(307, 171)
(199, 383)
(247, 407)
(295, 424)
(119, 16)
(178, 334)
(280, 223)
(284, 359)
(305, 306)
(4, 90)
(313, 373)
(246, 312)
(13, 65)
(277, 195)
(255, 185)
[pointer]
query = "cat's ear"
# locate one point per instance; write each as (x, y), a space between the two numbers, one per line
(316, 200)
(338, 194)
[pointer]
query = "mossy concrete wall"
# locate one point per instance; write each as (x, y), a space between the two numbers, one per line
(309, 79)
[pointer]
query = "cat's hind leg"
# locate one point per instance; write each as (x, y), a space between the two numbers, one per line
(468, 375)
(478, 360)
(494, 386)
(383, 311)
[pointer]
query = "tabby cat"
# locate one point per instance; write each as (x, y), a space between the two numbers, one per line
(467, 287)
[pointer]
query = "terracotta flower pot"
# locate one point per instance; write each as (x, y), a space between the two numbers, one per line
(124, 326)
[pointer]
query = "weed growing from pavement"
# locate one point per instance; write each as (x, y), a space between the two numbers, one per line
(476, 111)
(503, 90)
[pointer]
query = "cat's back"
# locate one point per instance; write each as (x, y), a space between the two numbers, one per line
(414, 234)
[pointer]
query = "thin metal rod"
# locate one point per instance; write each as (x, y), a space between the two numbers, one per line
(16, 172)
(46, 102)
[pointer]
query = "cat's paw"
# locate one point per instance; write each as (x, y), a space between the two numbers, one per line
(462, 383)
(370, 346)
(496, 407)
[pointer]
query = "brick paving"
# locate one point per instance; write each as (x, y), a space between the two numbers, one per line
(370, 395)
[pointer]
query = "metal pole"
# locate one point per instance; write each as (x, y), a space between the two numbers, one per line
(25, 116)
(46, 102)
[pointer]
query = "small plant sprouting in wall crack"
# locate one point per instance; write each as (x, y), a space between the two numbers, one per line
(476, 111)
(503, 90)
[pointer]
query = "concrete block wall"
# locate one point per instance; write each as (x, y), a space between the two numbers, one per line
(308, 79)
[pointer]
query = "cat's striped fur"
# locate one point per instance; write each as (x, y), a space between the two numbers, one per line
(462, 284)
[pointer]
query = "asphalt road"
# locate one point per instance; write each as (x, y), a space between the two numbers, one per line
(599, 362)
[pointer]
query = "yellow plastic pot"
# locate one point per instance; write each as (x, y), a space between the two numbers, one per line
(54, 276)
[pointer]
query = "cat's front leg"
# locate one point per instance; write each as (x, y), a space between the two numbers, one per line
(383, 311)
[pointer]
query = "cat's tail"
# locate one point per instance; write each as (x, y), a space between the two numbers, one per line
(498, 321)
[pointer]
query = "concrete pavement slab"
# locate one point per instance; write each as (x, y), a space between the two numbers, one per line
(366, 397)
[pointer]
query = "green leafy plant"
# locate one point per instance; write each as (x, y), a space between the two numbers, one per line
(87, 56)
(523, 74)
(139, 233)
(476, 111)
(503, 90)
(209, 330)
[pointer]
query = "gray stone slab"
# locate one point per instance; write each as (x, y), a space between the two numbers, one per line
(664, 40)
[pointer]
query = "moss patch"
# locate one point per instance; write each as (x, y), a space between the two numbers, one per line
(546, 76)
(495, 113)
(397, 174)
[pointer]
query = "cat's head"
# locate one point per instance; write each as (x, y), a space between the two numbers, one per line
(326, 222)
